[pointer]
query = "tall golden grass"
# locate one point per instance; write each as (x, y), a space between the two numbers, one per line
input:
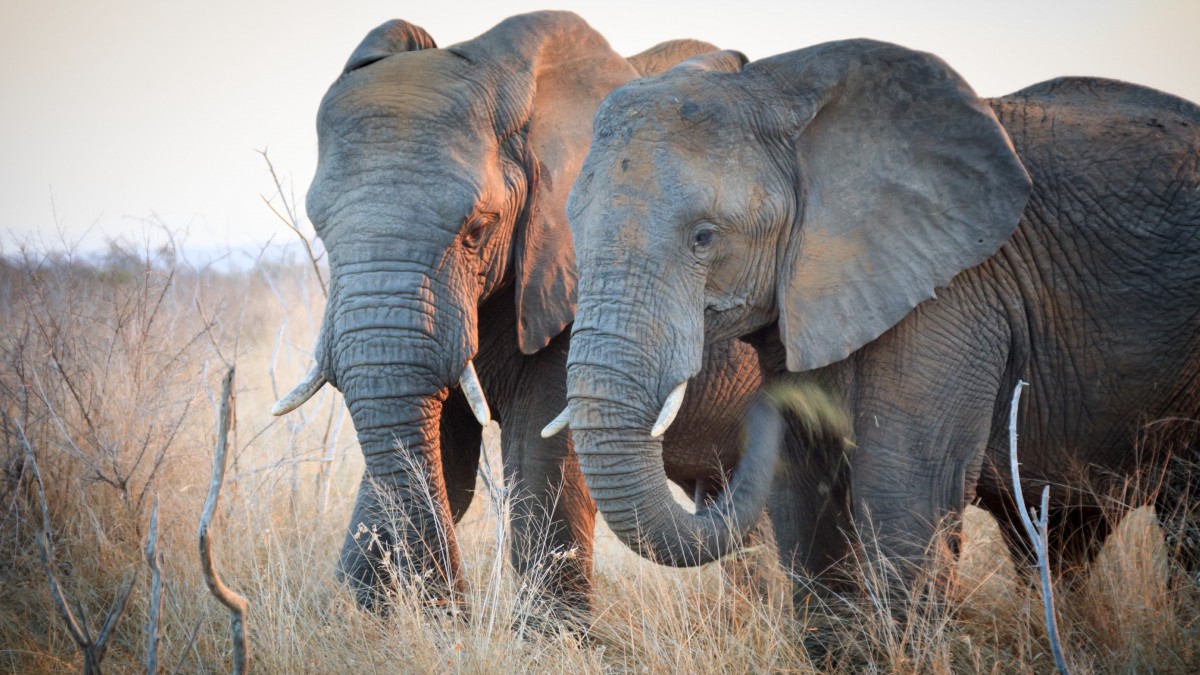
(109, 368)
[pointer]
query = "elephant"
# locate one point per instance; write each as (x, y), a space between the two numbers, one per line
(872, 227)
(439, 195)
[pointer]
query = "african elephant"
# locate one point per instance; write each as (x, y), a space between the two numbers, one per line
(861, 217)
(439, 195)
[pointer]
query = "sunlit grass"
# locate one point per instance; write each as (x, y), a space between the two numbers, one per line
(101, 366)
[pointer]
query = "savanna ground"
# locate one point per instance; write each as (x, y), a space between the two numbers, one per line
(110, 371)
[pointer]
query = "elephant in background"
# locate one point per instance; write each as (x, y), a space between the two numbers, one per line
(861, 217)
(439, 195)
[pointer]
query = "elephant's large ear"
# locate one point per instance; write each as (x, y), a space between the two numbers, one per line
(568, 68)
(904, 179)
(389, 38)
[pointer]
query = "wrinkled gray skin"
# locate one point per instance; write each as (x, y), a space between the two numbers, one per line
(439, 196)
(812, 203)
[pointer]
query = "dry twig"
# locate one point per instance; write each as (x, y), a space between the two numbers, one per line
(291, 221)
(236, 603)
(154, 560)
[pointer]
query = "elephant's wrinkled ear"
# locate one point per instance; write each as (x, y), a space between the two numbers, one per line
(392, 37)
(904, 179)
(573, 69)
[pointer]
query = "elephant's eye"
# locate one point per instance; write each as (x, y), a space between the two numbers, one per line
(702, 238)
(473, 234)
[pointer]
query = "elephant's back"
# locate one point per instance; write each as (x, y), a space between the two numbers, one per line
(1102, 130)
(1112, 97)
(1104, 262)
(1108, 159)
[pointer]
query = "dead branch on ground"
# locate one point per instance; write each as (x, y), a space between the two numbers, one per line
(154, 560)
(236, 603)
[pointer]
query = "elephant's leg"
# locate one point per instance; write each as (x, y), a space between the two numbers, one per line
(1178, 507)
(552, 515)
(461, 439)
(1077, 527)
(925, 400)
(810, 512)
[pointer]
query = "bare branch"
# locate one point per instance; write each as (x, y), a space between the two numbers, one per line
(236, 603)
(114, 615)
(1035, 529)
(327, 463)
(189, 646)
(154, 560)
(291, 221)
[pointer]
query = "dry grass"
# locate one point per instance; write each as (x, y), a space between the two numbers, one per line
(109, 368)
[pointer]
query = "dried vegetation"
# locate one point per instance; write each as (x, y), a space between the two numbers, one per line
(110, 369)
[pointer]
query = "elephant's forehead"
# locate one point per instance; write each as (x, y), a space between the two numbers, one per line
(661, 145)
(683, 108)
(426, 96)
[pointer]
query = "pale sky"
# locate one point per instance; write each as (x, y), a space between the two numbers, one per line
(122, 111)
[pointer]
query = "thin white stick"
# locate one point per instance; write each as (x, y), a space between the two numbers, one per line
(1035, 529)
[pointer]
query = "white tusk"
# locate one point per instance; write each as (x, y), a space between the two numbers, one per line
(557, 424)
(471, 388)
(310, 385)
(669, 410)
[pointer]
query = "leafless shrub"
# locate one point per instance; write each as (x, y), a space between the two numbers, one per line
(1035, 529)
(93, 648)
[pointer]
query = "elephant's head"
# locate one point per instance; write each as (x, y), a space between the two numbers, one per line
(440, 186)
(829, 190)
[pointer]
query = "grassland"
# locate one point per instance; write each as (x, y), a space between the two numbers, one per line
(109, 373)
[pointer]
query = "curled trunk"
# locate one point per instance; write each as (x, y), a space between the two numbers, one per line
(612, 413)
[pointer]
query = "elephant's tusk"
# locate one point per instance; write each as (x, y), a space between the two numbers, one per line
(669, 410)
(471, 388)
(557, 424)
(310, 385)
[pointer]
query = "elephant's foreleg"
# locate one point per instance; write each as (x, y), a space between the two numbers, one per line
(552, 522)
(810, 511)
(909, 483)
(461, 438)
(552, 515)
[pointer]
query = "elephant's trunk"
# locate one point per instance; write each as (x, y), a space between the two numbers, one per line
(612, 411)
(401, 529)
(394, 357)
